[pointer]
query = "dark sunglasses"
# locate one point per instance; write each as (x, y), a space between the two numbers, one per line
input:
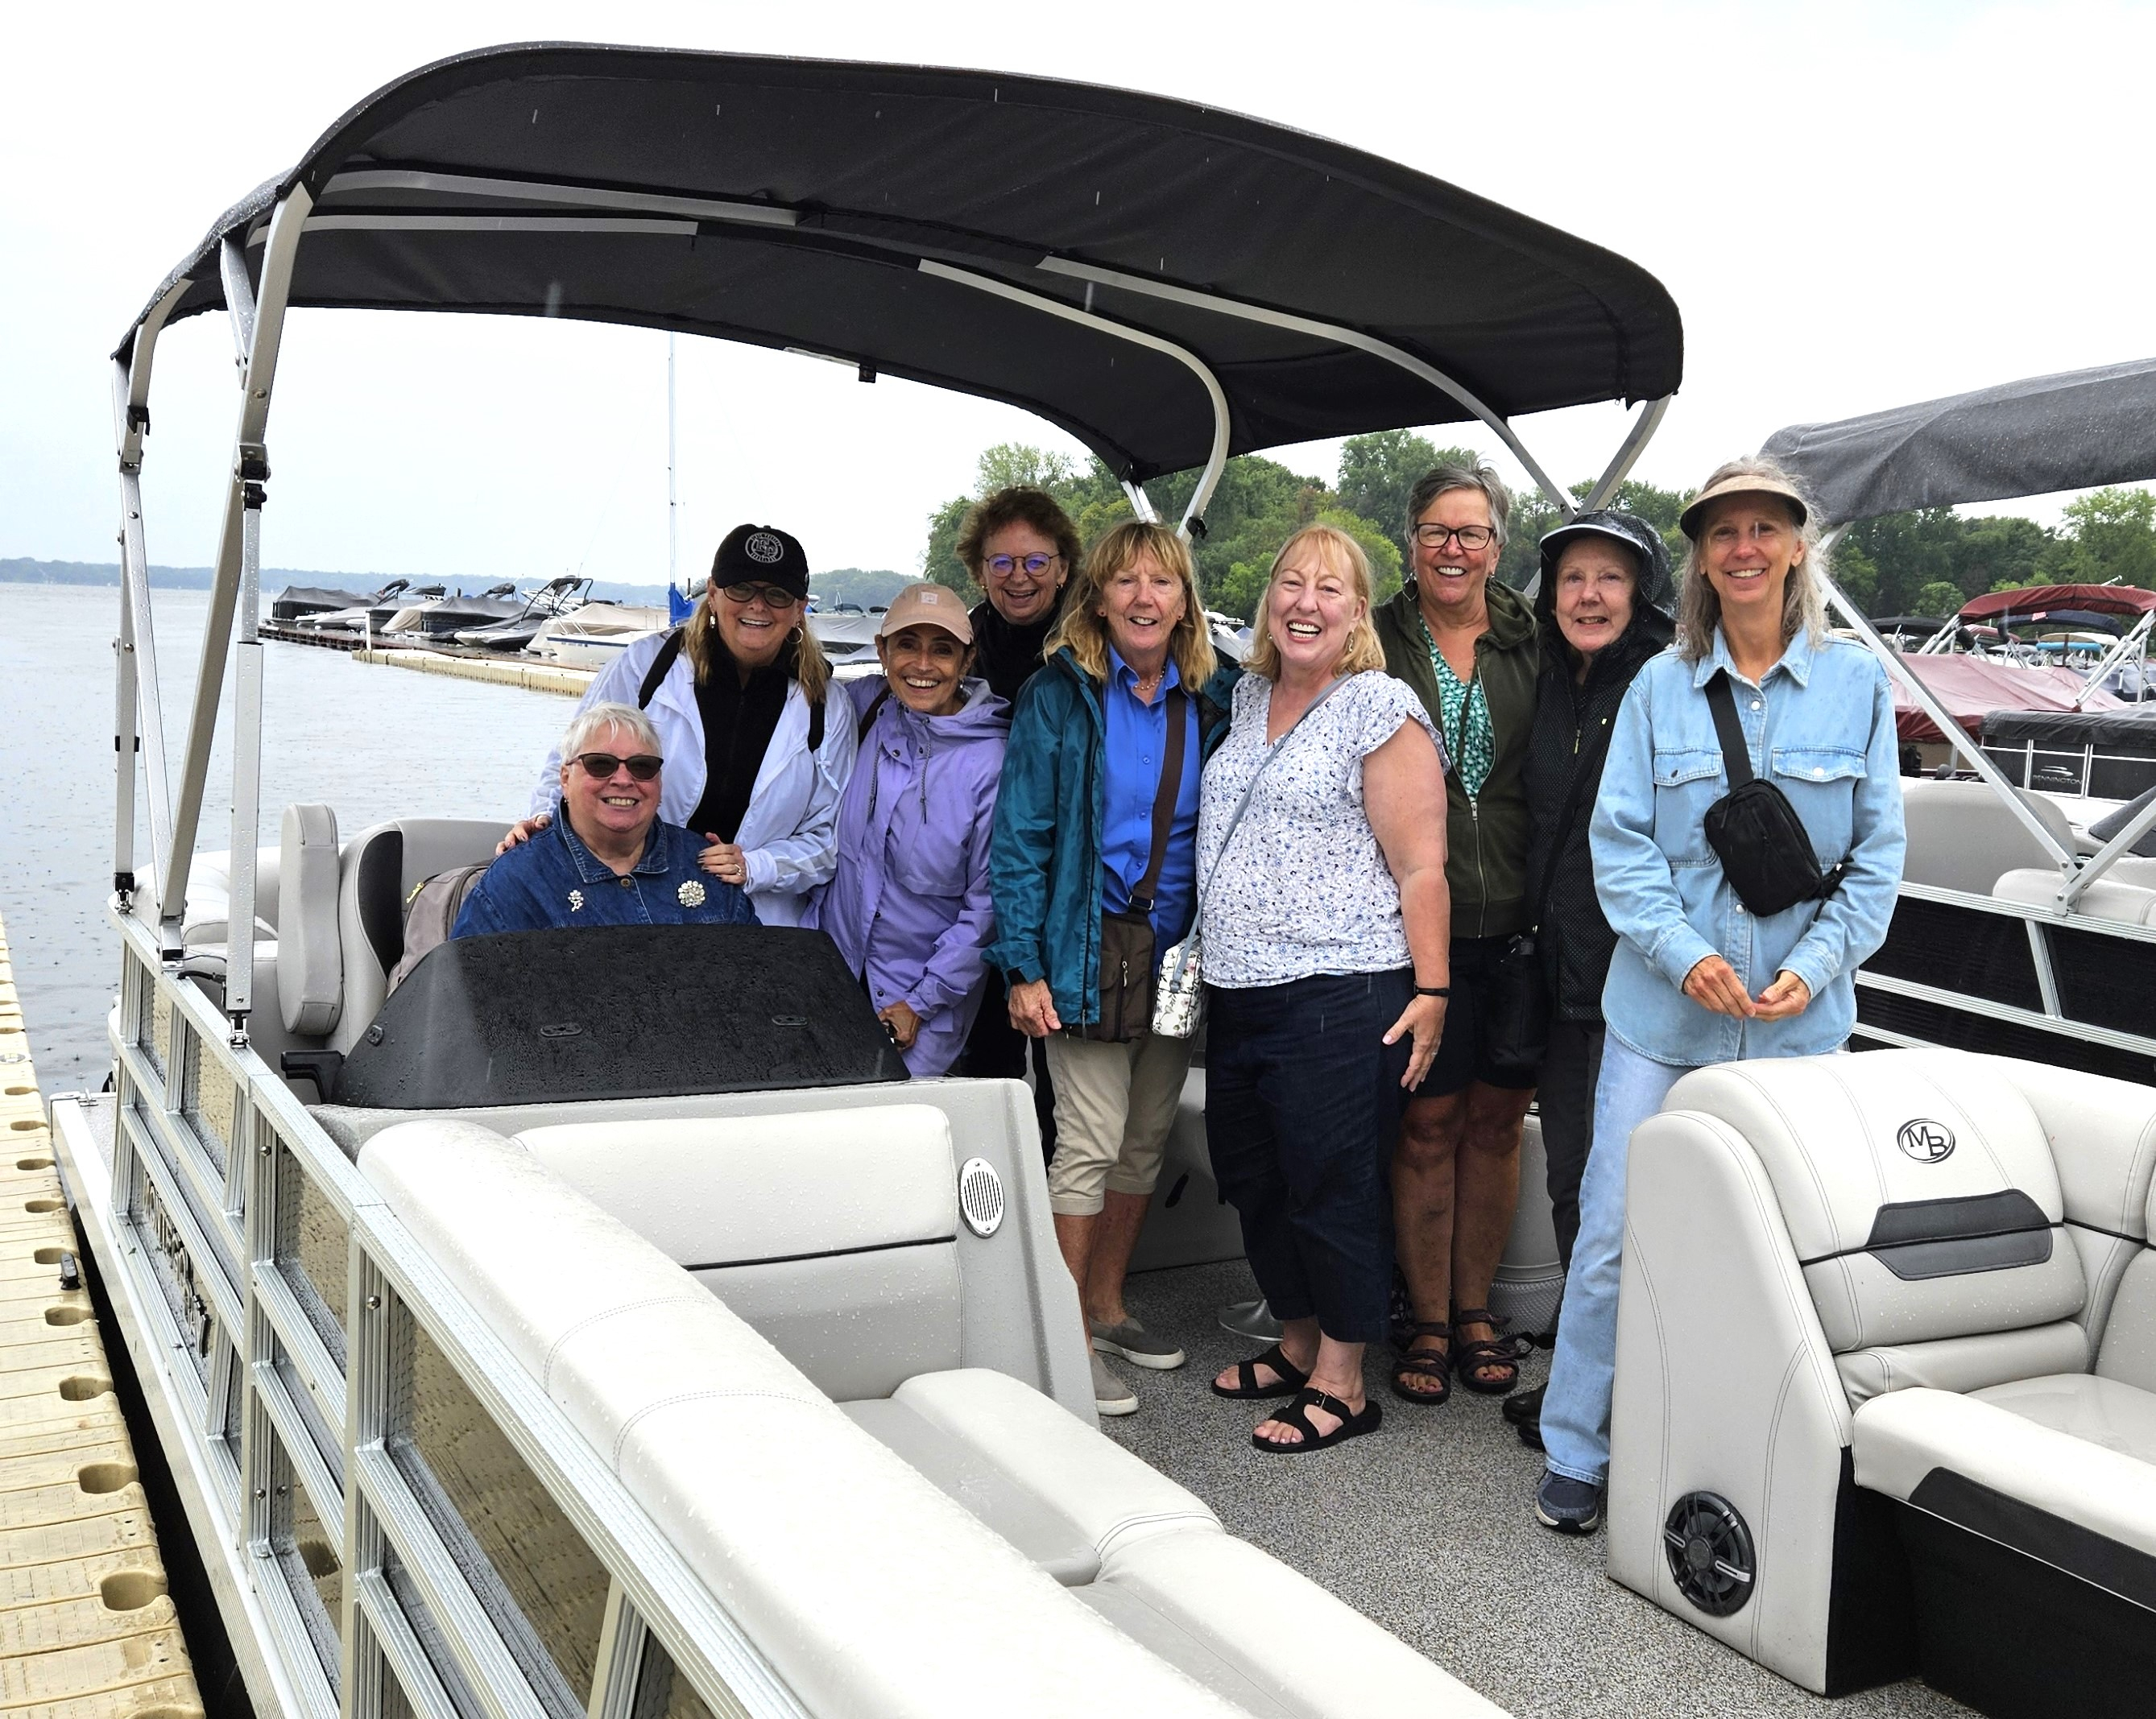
(772, 596)
(643, 768)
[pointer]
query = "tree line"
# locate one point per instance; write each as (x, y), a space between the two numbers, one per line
(1927, 563)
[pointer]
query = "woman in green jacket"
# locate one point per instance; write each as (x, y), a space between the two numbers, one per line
(1467, 644)
(1129, 686)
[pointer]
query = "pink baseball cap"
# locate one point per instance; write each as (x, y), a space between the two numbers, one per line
(928, 604)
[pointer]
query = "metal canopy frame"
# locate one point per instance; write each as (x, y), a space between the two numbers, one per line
(257, 307)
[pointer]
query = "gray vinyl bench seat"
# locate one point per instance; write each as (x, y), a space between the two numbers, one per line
(869, 1428)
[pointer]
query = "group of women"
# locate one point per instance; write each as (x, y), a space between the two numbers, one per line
(1429, 857)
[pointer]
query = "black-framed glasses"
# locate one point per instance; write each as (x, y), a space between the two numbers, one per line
(1470, 538)
(601, 766)
(1003, 565)
(773, 596)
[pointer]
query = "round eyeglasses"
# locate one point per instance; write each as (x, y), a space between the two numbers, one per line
(1003, 565)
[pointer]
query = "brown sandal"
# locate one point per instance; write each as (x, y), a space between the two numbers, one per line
(1413, 1364)
(1476, 1358)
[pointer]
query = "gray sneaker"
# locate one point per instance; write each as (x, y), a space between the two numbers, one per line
(1569, 1505)
(1110, 1395)
(1250, 1318)
(1137, 1346)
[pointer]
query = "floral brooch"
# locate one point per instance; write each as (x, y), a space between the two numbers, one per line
(575, 901)
(691, 894)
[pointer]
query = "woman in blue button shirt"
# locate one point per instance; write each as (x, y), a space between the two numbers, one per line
(1695, 978)
(1087, 753)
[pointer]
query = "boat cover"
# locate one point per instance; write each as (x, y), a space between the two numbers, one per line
(2125, 730)
(2031, 437)
(795, 203)
(2029, 603)
(1973, 688)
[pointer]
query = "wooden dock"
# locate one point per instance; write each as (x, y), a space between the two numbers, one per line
(87, 1629)
(502, 670)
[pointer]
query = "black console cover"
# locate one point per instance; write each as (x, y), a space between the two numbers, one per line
(619, 1012)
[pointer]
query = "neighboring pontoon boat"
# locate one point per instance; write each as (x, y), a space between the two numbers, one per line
(2013, 933)
(453, 1442)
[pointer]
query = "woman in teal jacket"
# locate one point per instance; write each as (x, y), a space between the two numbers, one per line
(1090, 744)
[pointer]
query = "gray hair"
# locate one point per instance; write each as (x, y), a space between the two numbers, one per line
(594, 720)
(1441, 478)
(1803, 599)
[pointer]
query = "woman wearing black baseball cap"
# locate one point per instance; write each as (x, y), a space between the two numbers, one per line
(736, 692)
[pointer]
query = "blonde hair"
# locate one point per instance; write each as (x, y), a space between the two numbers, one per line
(1803, 598)
(1362, 651)
(800, 656)
(1086, 633)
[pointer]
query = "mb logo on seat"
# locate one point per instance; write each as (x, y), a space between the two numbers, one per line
(1926, 1141)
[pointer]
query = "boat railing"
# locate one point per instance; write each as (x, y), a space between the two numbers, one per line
(411, 1524)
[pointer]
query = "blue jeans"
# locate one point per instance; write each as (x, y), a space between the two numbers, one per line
(1301, 1103)
(1575, 1422)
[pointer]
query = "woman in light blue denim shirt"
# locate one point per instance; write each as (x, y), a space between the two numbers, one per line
(1696, 978)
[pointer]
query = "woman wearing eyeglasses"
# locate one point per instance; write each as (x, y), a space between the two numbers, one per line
(1019, 547)
(737, 694)
(1467, 644)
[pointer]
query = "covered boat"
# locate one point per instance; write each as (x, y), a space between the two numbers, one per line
(761, 1390)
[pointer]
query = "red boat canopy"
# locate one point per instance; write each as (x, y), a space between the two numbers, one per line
(1972, 688)
(2028, 603)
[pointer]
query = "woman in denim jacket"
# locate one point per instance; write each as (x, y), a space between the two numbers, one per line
(1696, 979)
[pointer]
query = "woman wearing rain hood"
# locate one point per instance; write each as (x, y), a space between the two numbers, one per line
(1605, 605)
(908, 905)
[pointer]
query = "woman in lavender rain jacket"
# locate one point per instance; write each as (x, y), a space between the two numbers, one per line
(909, 906)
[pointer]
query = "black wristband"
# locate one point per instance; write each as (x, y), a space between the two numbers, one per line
(1433, 990)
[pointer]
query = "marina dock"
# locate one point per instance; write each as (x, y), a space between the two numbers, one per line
(505, 671)
(87, 1628)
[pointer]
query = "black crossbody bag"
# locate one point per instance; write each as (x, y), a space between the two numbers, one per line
(1755, 832)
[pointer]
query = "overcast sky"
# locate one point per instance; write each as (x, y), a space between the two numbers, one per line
(1853, 207)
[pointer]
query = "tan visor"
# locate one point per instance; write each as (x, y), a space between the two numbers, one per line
(1744, 483)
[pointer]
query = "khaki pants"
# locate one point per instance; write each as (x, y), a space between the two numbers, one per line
(1114, 1105)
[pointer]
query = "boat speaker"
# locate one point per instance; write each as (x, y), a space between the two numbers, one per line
(981, 1196)
(1710, 1553)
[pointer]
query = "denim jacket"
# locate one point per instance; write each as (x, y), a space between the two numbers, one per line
(1820, 727)
(554, 880)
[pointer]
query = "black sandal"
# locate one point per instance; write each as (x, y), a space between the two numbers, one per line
(1292, 1378)
(1297, 1414)
(1410, 1364)
(1475, 1357)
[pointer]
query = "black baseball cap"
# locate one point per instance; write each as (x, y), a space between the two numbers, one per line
(762, 555)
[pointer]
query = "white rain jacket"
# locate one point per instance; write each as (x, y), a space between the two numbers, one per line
(790, 834)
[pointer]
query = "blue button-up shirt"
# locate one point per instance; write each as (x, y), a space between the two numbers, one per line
(554, 880)
(1820, 727)
(1136, 744)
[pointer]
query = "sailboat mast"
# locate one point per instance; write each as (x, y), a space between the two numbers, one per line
(673, 535)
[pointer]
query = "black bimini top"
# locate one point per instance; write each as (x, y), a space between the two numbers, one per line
(2034, 437)
(815, 204)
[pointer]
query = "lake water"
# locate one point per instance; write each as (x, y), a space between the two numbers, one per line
(373, 742)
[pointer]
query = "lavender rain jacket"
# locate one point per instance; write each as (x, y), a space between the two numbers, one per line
(909, 905)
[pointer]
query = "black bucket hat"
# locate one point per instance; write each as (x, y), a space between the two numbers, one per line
(762, 555)
(1613, 526)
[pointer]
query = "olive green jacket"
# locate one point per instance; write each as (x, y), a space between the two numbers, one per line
(1486, 837)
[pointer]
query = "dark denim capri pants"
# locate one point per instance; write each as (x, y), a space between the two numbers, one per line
(1303, 1100)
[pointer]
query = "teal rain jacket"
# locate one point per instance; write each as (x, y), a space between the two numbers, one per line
(1044, 859)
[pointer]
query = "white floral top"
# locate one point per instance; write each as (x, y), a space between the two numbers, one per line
(1302, 888)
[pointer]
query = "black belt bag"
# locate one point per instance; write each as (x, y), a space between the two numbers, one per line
(1765, 851)
(1128, 957)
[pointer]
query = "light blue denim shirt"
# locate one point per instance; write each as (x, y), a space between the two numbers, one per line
(1820, 728)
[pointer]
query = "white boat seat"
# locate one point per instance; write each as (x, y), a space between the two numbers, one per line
(1963, 837)
(2109, 897)
(834, 1233)
(311, 958)
(861, 1581)
(2012, 1462)
(381, 867)
(1030, 1470)
(1897, 1311)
